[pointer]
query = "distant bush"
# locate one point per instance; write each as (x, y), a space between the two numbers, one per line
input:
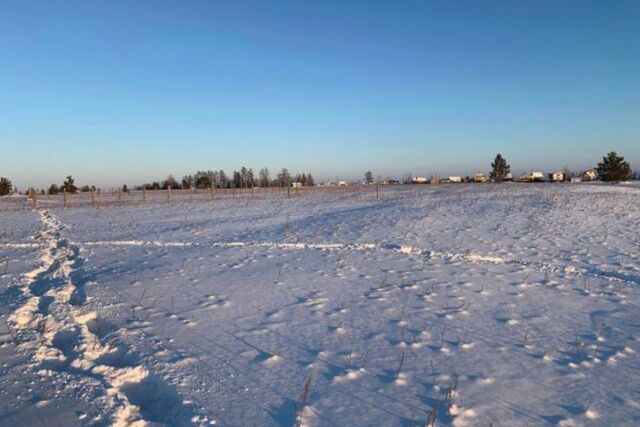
(5, 186)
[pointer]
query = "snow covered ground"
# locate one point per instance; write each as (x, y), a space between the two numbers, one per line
(500, 305)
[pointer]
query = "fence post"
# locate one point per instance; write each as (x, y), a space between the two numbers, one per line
(119, 194)
(377, 187)
(144, 195)
(93, 198)
(211, 192)
(32, 195)
(64, 195)
(169, 194)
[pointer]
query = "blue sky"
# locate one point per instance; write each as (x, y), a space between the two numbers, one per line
(129, 91)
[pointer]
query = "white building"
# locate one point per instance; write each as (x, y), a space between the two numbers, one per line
(589, 175)
(456, 179)
(537, 176)
(480, 177)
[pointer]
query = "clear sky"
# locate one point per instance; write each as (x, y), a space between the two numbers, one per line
(128, 91)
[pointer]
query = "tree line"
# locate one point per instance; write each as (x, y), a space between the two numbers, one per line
(243, 178)
(612, 168)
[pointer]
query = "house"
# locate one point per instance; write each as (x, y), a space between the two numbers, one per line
(296, 185)
(342, 184)
(420, 180)
(558, 176)
(537, 177)
(389, 181)
(480, 177)
(589, 175)
(456, 179)
(531, 177)
(525, 177)
(508, 177)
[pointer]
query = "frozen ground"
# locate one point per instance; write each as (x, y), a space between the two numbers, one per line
(461, 305)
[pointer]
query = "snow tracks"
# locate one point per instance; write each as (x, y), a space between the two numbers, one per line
(63, 339)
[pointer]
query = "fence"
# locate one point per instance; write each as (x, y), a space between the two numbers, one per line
(153, 197)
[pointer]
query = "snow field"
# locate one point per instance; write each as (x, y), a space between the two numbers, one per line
(453, 305)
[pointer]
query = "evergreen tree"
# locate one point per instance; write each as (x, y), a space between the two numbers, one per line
(223, 179)
(170, 182)
(284, 178)
(368, 177)
(202, 179)
(237, 179)
(5, 186)
(614, 168)
(264, 177)
(187, 182)
(500, 169)
(309, 182)
(244, 176)
(69, 185)
(251, 181)
(53, 189)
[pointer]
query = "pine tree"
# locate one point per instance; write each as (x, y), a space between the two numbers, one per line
(244, 177)
(368, 177)
(264, 177)
(251, 180)
(310, 182)
(5, 186)
(614, 168)
(202, 179)
(187, 182)
(170, 182)
(284, 178)
(69, 185)
(224, 180)
(53, 189)
(500, 169)
(237, 179)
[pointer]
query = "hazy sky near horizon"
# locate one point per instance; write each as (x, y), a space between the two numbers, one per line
(129, 91)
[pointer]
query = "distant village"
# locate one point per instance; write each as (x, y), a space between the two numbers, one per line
(560, 176)
(613, 168)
